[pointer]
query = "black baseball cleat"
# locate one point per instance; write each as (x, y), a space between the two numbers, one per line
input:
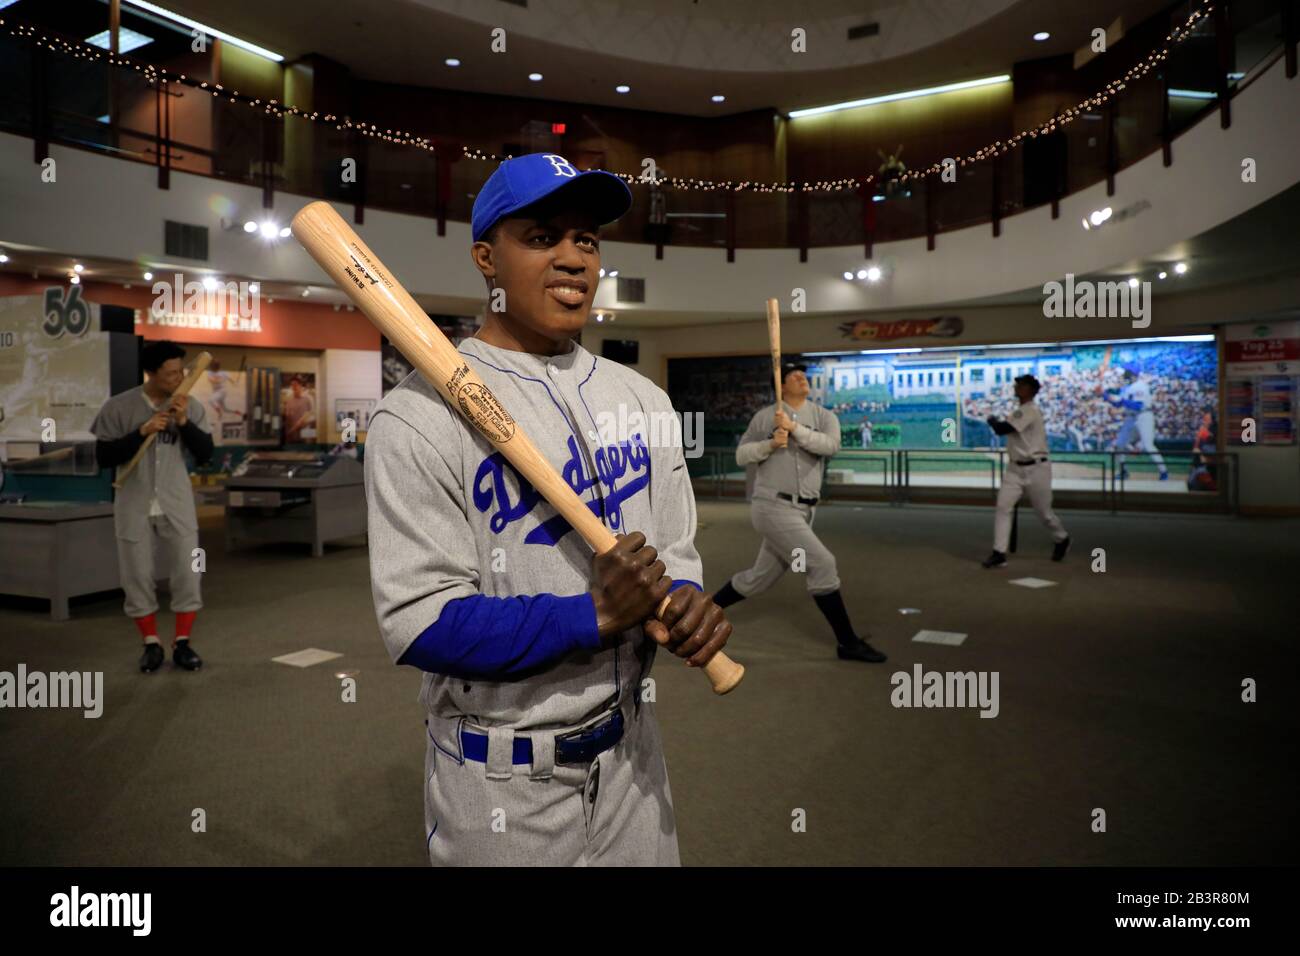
(860, 650)
(185, 657)
(996, 560)
(1060, 549)
(152, 658)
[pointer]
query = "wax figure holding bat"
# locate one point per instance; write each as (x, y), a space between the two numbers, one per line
(542, 745)
(154, 502)
(789, 446)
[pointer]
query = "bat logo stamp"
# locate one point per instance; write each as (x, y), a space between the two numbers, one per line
(481, 407)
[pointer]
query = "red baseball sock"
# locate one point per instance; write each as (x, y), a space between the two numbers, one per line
(148, 627)
(184, 622)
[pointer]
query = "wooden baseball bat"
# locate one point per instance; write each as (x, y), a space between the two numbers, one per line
(200, 364)
(774, 343)
(358, 272)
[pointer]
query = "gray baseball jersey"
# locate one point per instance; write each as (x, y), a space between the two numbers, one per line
(449, 517)
(161, 472)
(797, 468)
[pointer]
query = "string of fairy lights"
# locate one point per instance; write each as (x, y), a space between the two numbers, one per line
(271, 107)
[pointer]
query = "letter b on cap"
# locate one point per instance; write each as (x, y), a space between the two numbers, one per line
(562, 167)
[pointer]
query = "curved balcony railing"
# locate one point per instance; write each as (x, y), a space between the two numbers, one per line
(56, 97)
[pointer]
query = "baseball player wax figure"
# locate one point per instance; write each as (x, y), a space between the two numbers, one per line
(155, 505)
(541, 746)
(790, 449)
(1139, 426)
(1028, 471)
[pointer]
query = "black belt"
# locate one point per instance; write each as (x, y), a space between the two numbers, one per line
(1032, 461)
(802, 501)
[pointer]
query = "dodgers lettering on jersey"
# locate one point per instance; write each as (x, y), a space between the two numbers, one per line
(450, 517)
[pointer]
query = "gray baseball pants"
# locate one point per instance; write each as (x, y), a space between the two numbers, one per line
(136, 566)
(785, 526)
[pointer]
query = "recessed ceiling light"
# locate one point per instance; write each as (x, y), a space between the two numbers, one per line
(1041, 35)
(285, 232)
(613, 274)
(848, 276)
(269, 230)
(717, 97)
(622, 88)
(1132, 282)
(253, 287)
(862, 273)
(306, 292)
(74, 279)
(250, 226)
(873, 274)
(1163, 275)
(209, 283)
(452, 61)
(1180, 268)
(3, 257)
(535, 77)
(77, 268)
(148, 276)
(602, 273)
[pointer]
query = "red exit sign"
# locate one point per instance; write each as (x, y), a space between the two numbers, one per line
(557, 129)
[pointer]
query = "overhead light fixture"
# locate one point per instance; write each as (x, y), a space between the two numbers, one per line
(600, 316)
(1086, 224)
(1101, 215)
(1042, 35)
(77, 268)
(148, 277)
(211, 31)
(209, 283)
(1192, 94)
(848, 276)
(862, 273)
(452, 61)
(285, 232)
(306, 292)
(1163, 275)
(1180, 268)
(602, 273)
(75, 279)
(535, 77)
(613, 273)
(907, 95)
(250, 226)
(1132, 282)
(127, 40)
(253, 287)
(269, 230)
(3, 257)
(717, 97)
(622, 88)
(873, 274)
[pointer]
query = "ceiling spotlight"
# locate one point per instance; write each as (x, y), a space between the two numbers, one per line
(269, 230)
(600, 316)
(306, 292)
(286, 232)
(3, 257)
(75, 279)
(602, 273)
(452, 61)
(1163, 275)
(250, 226)
(1086, 224)
(1097, 217)
(848, 276)
(253, 287)
(1180, 268)
(77, 268)
(209, 283)
(613, 274)
(862, 273)
(1132, 282)
(535, 77)
(717, 97)
(622, 88)
(873, 274)
(148, 277)
(1041, 35)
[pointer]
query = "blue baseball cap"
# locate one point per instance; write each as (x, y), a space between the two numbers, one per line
(524, 180)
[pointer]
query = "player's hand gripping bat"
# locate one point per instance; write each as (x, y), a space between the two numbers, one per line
(368, 283)
(200, 365)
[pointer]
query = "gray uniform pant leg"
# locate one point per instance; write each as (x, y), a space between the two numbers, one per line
(1036, 482)
(136, 566)
(615, 811)
(786, 526)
